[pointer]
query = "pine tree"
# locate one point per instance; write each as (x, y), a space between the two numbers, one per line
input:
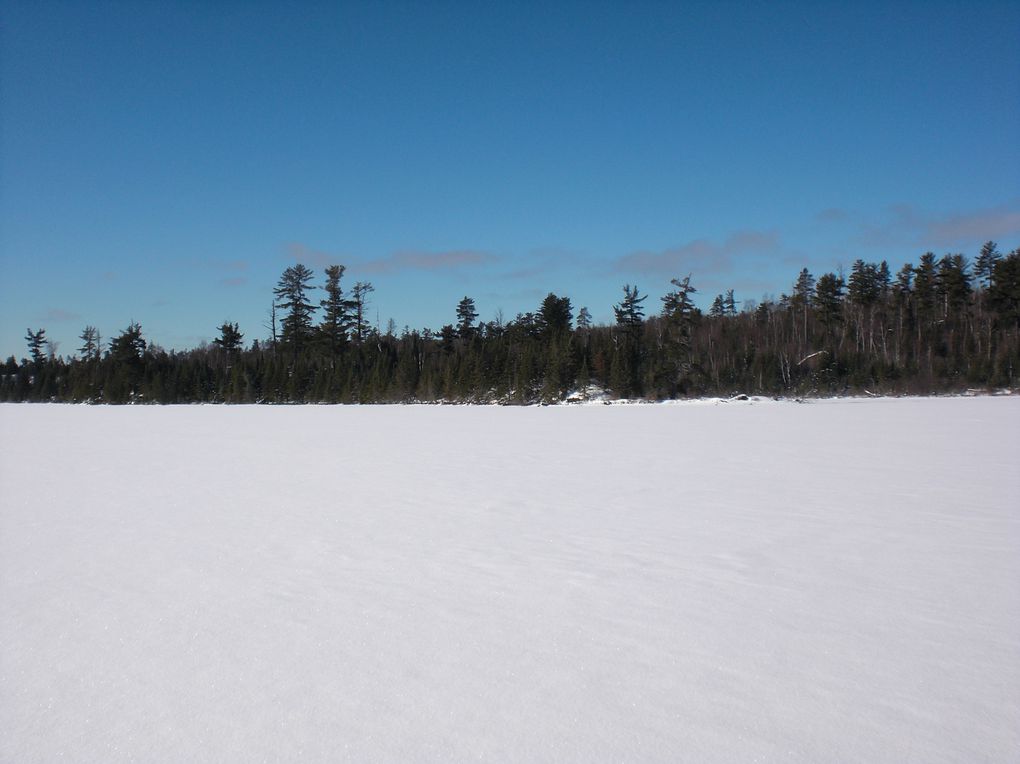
(718, 307)
(90, 343)
(466, 317)
(335, 319)
(903, 286)
(864, 286)
(730, 303)
(36, 342)
(679, 312)
(985, 263)
(803, 290)
(230, 338)
(829, 299)
(584, 319)
(128, 347)
(555, 314)
(629, 313)
(953, 284)
(358, 305)
(925, 286)
(292, 296)
(677, 306)
(1004, 294)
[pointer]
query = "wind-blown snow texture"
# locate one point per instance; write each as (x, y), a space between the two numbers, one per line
(834, 581)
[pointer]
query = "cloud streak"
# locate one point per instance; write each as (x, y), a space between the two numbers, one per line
(700, 255)
(974, 226)
(831, 215)
(413, 260)
(59, 314)
(906, 226)
(546, 260)
(299, 253)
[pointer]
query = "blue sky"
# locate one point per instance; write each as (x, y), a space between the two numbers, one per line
(164, 163)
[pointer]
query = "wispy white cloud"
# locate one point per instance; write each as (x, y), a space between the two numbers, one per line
(299, 253)
(831, 215)
(971, 227)
(414, 260)
(700, 255)
(546, 260)
(58, 315)
(904, 225)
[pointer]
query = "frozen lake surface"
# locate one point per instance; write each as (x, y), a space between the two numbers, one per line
(832, 581)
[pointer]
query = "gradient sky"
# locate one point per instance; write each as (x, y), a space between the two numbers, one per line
(165, 162)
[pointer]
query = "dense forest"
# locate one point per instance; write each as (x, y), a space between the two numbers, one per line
(942, 325)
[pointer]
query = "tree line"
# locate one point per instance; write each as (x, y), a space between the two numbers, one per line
(942, 325)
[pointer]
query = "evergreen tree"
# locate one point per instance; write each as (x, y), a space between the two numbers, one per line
(801, 303)
(292, 296)
(584, 319)
(903, 286)
(629, 313)
(90, 343)
(925, 286)
(335, 319)
(358, 305)
(230, 338)
(864, 287)
(985, 263)
(829, 299)
(36, 342)
(884, 279)
(128, 347)
(677, 306)
(803, 290)
(718, 308)
(555, 314)
(466, 317)
(730, 303)
(953, 284)
(678, 312)
(1004, 294)
(625, 376)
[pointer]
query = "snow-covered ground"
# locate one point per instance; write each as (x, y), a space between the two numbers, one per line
(832, 581)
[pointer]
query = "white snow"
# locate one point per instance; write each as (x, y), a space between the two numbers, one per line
(754, 581)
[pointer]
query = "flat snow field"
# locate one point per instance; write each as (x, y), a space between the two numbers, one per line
(756, 581)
